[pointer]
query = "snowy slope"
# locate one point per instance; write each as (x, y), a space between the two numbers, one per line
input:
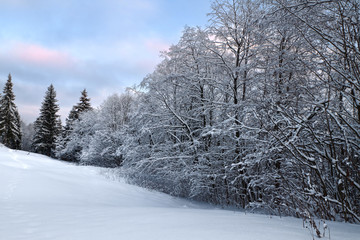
(41, 198)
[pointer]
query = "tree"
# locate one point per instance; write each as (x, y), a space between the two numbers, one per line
(74, 116)
(27, 131)
(236, 29)
(96, 137)
(102, 148)
(261, 109)
(324, 140)
(10, 119)
(47, 125)
(70, 147)
(84, 104)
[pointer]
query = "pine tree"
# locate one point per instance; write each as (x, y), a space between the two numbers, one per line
(84, 104)
(9, 118)
(47, 125)
(81, 107)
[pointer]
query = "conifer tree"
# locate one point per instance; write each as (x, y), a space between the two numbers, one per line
(9, 118)
(81, 107)
(47, 125)
(84, 104)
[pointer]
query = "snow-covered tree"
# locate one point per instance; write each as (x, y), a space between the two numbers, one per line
(324, 138)
(28, 132)
(260, 109)
(83, 106)
(10, 131)
(84, 102)
(77, 110)
(70, 147)
(104, 147)
(47, 125)
(96, 138)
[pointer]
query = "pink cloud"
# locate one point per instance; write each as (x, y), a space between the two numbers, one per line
(39, 55)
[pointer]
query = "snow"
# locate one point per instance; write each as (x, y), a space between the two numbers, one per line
(42, 198)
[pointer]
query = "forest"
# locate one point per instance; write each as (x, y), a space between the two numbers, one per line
(258, 110)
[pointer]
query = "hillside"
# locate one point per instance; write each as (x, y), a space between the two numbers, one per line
(42, 198)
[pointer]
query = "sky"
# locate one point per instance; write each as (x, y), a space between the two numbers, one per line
(104, 46)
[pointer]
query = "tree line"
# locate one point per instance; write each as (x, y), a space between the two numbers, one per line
(260, 109)
(46, 132)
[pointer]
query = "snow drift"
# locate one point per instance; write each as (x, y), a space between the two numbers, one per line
(42, 198)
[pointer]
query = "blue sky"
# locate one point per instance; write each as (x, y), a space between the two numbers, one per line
(101, 45)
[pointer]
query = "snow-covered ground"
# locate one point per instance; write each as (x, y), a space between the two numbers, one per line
(41, 198)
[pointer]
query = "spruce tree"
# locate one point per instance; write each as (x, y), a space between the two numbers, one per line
(81, 107)
(84, 104)
(47, 125)
(9, 118)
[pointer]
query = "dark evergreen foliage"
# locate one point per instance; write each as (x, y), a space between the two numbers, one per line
(9, 118)
(47, 125)
(84, 104)
(82, 107)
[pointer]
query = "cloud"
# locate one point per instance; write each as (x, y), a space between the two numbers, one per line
(40, 55)
(100, 68)
(103, 46)
(35, 55)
